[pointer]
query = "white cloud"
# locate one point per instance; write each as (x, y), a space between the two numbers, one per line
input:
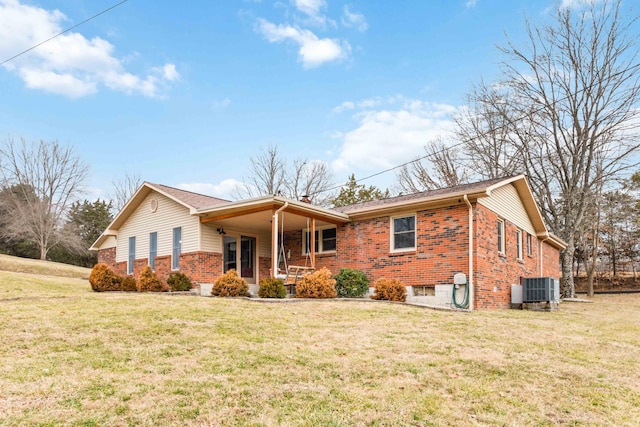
(221, 104)
(70, 64)
(310, 7)
(471, 4)
(354, 19)
(385, 138)
(313, 51)
(170, 73)
(224, 190)
(367, 103)
(346, 105)
(573, 4)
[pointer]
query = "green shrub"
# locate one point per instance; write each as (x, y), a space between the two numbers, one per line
(150, 282)
(390, 290)
(179, 282)
(230, 285)
(272, 288)
(129, 284)
(318, 284)
(102, 279)
(351, 283)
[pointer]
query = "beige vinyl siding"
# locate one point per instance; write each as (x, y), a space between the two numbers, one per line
(168, 215)
(109, 242)
(505, 202)
(210, 239)
(264, 245)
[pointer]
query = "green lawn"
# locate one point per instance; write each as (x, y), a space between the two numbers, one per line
(70, 356)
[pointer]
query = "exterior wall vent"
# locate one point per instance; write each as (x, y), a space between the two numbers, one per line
(540, 289)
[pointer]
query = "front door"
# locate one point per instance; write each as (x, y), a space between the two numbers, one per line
(240, 255)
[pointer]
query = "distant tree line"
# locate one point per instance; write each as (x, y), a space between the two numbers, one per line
(40, 215)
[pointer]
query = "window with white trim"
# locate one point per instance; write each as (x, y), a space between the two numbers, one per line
(501, 243)
(177, 248)
(403, 233)
(519, 243)
(326, 239)
(529, 245)
(132, 254)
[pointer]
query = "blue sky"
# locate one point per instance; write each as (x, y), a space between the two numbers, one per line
(183, 93)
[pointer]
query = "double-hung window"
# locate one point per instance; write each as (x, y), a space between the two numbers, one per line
(403, 233)
(519, 244)
(177, 248)
(153, 249)
(529, 248)
(326, 239)
(501, 242)
(132, 254)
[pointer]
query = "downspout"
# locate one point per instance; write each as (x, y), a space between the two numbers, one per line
(274, 240)
(470, 280)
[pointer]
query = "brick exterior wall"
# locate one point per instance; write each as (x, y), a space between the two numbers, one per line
(201, 267)
(107, 256)
(495, 272)
(442, 248)
(551, 266)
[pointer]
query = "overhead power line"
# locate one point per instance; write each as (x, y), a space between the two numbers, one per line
(63, 32)
(631, 68)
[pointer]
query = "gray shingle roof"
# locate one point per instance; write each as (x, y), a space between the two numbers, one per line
(439, 193)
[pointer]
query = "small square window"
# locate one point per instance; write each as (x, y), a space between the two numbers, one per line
(403, 233)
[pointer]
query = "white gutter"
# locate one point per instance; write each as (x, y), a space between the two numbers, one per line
(470, 282)
(274, 240)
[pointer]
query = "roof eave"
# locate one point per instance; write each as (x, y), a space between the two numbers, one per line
(415, 204)
(268, 202)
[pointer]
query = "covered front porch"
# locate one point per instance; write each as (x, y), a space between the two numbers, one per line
(268, 236)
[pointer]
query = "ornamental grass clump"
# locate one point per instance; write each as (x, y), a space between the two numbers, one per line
(150, 282)
(318, 284)
(102, 279)
(351, 283)
(390, 290)
(230, 285)
(179, 282)
(271, 287)
(129, 284)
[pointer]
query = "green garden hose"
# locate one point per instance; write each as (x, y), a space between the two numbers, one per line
(465, 301)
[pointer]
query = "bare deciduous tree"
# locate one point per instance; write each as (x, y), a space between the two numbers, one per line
(272, 174)
(311, 179)
(572, 96)
(123, 189)
(267, 174)
(441, 167)
(45, 177)
(487, 138)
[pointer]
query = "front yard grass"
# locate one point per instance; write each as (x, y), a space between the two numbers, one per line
(73, 357)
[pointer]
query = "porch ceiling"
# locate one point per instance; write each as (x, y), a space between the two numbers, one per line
(255, 215)
(260, 222)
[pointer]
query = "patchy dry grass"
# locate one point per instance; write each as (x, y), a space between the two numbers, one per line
(73, 357)
(48, 268)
